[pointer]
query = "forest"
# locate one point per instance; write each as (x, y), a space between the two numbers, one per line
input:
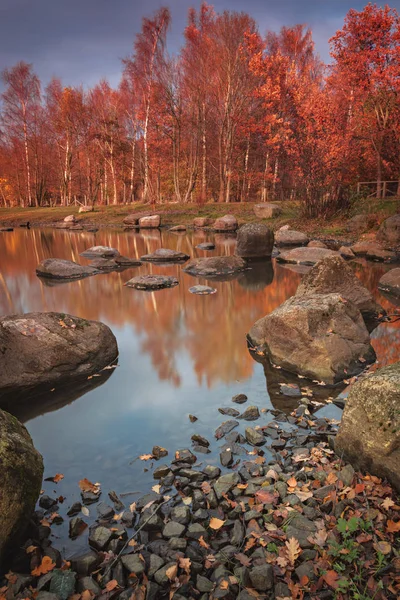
(235, 116)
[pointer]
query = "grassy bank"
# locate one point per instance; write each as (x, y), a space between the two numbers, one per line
(183, 214)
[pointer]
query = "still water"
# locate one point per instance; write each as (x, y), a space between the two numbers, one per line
(179, 354)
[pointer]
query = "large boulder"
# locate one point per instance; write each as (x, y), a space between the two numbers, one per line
(51, 348)
(390, 282)
(133, 219)
(215, 266)
(318, 336)
(21, 472)
(151, 222)
(369, 433)
(57, 268)
(267, 210)
(162, 255)
(373, 251)
(100, 252)
(389, 232)
(305, 256)
(226, 223)
(289, 237)
(333, 275)
(254, 240)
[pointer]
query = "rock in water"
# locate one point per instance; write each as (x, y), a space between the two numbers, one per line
(202, 290)
(152, 282)
(267, 210)
(289, 237)
(254, 240)
(390, 282)
(319, 336)
(100, 252)
(373, 251)
(165, 255)
(215, 266)
(333, 275)
(305, 256)
(226, 223)
(369, 433)
(150, 222)
(57, 268)
(21, 471)
(389, 232)
(51, 348)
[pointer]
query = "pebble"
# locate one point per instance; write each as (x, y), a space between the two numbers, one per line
(239, 398)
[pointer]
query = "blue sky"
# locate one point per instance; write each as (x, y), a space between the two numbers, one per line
(84, 40)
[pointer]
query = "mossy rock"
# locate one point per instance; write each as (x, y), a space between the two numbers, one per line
(21, 472)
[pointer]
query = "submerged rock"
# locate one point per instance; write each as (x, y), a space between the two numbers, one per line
(333, 275)
(289, 237)
(206, 246)
(57, 268)
(21, 471)
(373, 251)
(305, 256)
(215, 266)
(318, 336)
(50, 348)
(165, 255)
(369, 432)
(152, 282)
(100, 252)
(254, 240)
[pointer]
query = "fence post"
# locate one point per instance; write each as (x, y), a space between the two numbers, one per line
(358, 188)
(384, 189)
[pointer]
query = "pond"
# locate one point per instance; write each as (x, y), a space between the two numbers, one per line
(179, 354)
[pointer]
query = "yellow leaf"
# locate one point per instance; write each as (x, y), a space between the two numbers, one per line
(293, 550)
(30, 549)
(111, 585)
(292, 482)
(156, 488)
(45, 566)
(224, 585)
(146, 456)
(203, 543)
(216, 523)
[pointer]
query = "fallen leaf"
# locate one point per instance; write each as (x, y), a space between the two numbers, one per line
(187, 500)
(87, 595)
(185, 564)
(203, 543)
(319, 538)
(85, 511)
(383, 547)
(111, 585)
(206, 487)
(132, 543)
(387, 503)
(331, 579)
(172, 572)
(117, 517)
(132, 507)
(293, 550)
(224, 585)
(292, 482)
(243, 559)
(250, 544)
(87, 486)
(216, 523)
(45, 566)
(265, 497)
(271, 474)
(242, 486)
(303, 495)
(146, 456)
(392, 526)
(156, 488)
(30, 549)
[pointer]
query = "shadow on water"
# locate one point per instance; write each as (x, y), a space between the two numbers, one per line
(35, 402)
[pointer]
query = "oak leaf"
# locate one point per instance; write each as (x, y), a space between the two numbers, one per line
(392, 526)
(293, 550)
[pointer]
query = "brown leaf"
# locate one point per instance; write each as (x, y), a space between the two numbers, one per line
(319, 538)
(392, 526)
(383, 547)
(293, 550)
(216, 523)
(203, 543)
(146, 456)
(243, 559)
(292, 482)
(87, 486)
(185, 564)
(206, 487)
(87, 595)
(30, 549)
(45, 566)
(250, 544)
(387, 503)
(265, 497)
(224, 585)
(172, 572)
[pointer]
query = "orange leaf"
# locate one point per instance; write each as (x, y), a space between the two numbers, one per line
(224, 585)
(292, 482)
(203, 543)
(216, 523)
(171, 573)
(45, 566)
(392, 526)
(359, 488)
(87, 486)
(184, 564)
(87, 595)
(146, 456)
(57, 477)
(331, 578)
(111, 585)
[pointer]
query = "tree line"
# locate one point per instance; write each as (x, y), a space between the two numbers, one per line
(233, 117)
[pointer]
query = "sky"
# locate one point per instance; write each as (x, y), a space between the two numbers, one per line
(82, 41)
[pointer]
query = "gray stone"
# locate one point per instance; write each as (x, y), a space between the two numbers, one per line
(306, 569)
(156, 562)
(149, 521)
(173, 529)
(202, 290)
(62, 583)
(225, 483)
(239, 398)
(289, 237)
(105, 511)
(215, 266)
(100, 252)
(225, 223)
(57, 268)
(262, 577)
(165, 255)
(250, 414)
(226, 458)
(100, 537)
(267, 210)
(346, 475)
(225, 428)
(203, 584)
(178, 543)
(88, 583)
(211, 471)
(200, 440)
(254, 437)
(305, 256)
(231, 412)
(76, 527)
(389, 232)
(346, 252)
(150, 222)
(133, 563)
(390, 282)
(237, 534)
(161, 576)
(206, 246)
(161, 471)
(180, 514)
(86, 563)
